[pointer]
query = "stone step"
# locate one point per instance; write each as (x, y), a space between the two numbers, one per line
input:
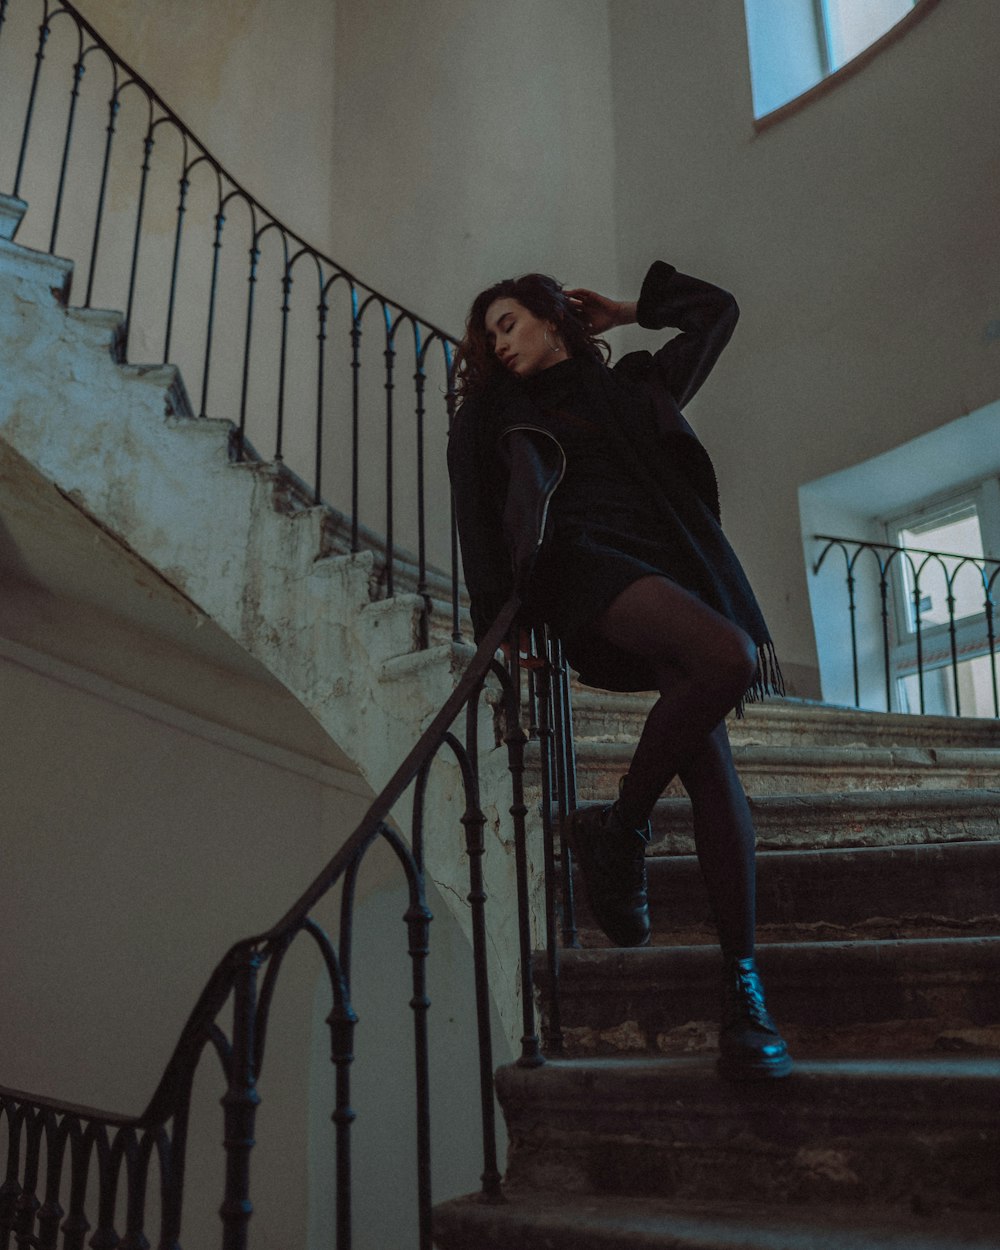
(911, 997)
(35, 270)
(903, 1134)
(12, 212)
(851, 819)
(770, 770)
(609, 716)
(929, 890)
(557, 1220)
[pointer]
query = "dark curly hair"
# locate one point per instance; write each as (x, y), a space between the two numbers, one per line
(476, 364)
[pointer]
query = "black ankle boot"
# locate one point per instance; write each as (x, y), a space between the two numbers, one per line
(750, 1046)
(612, 861)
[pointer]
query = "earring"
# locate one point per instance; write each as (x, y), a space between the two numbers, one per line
(553, 347)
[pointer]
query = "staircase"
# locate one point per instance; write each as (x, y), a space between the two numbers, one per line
(879, 921)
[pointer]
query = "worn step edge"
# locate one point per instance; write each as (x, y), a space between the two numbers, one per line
(872, 1132)
(910, 996)
(924, 889)
(551, 1220)
(853, 818)
(794, 719)
(768, 769)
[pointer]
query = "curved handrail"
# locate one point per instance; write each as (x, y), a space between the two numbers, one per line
(162, 1124)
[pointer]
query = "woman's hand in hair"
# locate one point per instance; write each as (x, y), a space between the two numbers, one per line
(599, 313)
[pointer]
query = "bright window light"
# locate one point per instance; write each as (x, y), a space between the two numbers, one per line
(794, 44)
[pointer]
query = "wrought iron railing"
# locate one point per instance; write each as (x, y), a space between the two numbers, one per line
(73, 1170)
(275, 336)
(317, 370)
(897, 571)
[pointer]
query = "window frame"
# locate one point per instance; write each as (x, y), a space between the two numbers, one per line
(971, 638)
(832, 79)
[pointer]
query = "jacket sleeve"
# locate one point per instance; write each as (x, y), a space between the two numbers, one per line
(477, 495)
(706, 317)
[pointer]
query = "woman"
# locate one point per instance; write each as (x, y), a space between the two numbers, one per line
(584, 488)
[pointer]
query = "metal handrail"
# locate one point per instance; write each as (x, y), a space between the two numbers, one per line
(84, 1140)
(257, 291)
(853, 549)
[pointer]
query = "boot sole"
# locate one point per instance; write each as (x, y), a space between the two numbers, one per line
(753, 1070)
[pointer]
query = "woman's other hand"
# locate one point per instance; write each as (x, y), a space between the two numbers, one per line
(599, 313)
(526, 656)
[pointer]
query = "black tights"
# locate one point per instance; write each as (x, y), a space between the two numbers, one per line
(703, 664)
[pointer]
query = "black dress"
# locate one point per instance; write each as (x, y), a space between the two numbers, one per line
(607, 531)
(638, 496)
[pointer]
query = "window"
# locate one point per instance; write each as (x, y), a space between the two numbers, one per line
(794, 44)
(961, 525)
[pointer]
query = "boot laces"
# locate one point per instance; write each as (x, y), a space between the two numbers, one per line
(748, 999)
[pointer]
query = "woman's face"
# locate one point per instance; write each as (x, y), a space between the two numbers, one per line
(523, 343)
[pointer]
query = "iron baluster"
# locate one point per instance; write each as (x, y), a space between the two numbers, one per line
(551, 1022)
(883, 588)
(220, 221)
(10, 1190)
(567, 749)
(953, 640)
(322, 310)
(240, 1103)
(171, 1151)
(286, 291)
(418, 919)
(419, 381)
(456, 630)
(43, 34)
(184, 184)
(852, 607)
(136, 1164)
(78, 71)
(355, 420)
(473, 821)
(105, 1237)
(566, 798)
(992, 642)
(114, 104)
(390, 357)
(76, 1226)
(245, 381)
(342, 1019)
(27, 1203)
(514, 737)
(147, 149)
(50, 1213)
(918, 629)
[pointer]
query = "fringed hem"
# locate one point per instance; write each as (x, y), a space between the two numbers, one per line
(767, 679)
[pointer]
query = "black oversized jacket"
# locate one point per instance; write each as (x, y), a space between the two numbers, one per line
(504, 464)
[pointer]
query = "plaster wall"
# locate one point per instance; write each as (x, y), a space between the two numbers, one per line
(253, 80)
(473, 141)
(857, 234)
(139, 842)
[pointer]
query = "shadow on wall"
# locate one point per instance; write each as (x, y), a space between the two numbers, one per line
(854, 503)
